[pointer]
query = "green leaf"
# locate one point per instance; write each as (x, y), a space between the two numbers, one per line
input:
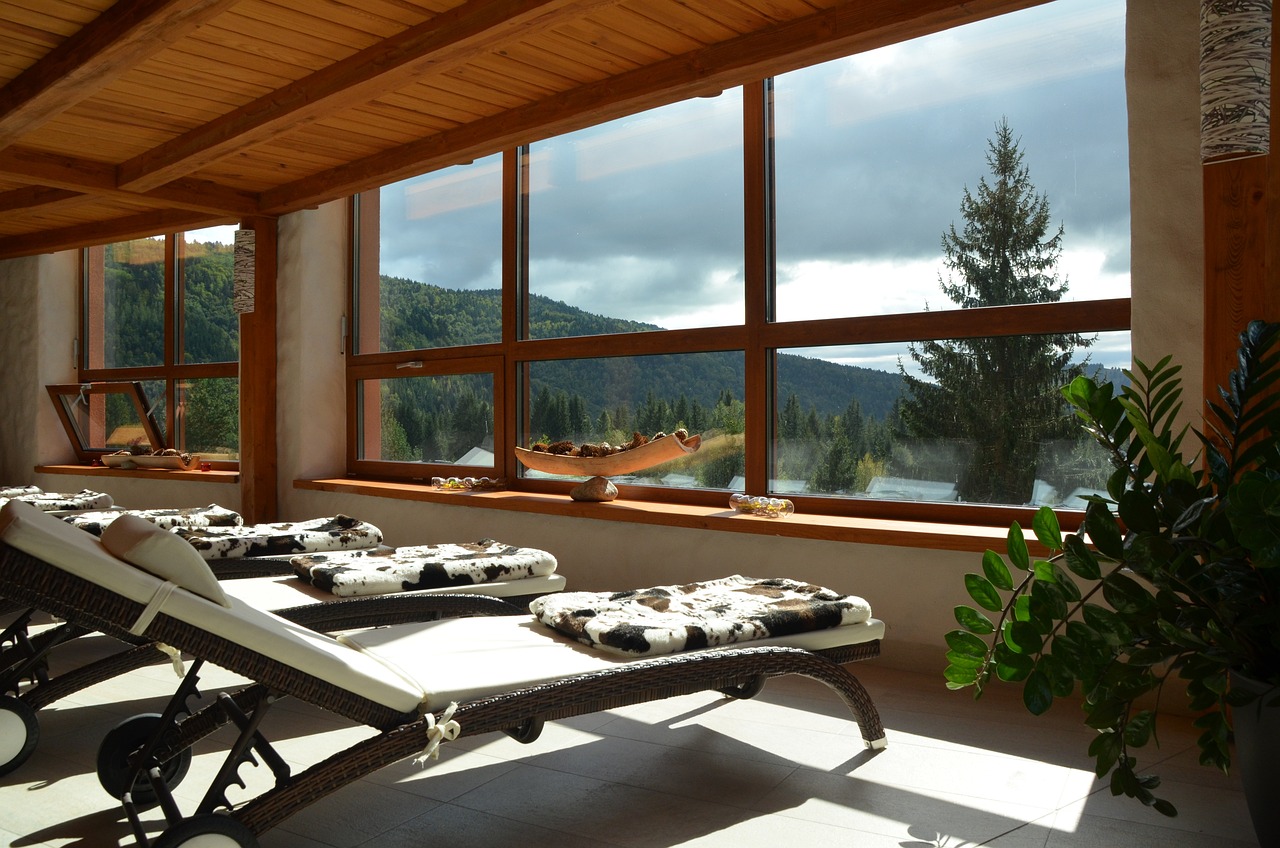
(1080, 559)
(1045, 572)
(983, 593)
(1139, 729)
(1105, 749)
(1037, 695)
(1253, 507)
(997, 572)
(1023, 637)
(1011, 667)
(973, 621)
(1047, 530)
(958, 677)
(1069, 588)
(1022, 608)
(1017, 546)
(960, 660)
(1127, 596)
(1062, 681)
(1103, 530)
(963, 642)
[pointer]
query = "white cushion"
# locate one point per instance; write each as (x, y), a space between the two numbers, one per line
(459, 659)
(154, 549)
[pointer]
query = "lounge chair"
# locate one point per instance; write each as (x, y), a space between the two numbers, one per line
(418, 684)
(313, 603)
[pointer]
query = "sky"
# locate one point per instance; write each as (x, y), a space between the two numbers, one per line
(642, 218)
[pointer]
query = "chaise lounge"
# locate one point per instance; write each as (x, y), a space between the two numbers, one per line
(516, 575)
(419, 684)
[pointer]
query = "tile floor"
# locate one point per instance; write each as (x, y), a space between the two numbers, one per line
(785, 769)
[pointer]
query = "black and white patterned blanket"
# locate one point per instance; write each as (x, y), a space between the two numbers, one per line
(337, 533)
(56, 501)
(377, 572)
(668, 619)
(193, 516)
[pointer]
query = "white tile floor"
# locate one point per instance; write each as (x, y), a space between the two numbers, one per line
(786, 769)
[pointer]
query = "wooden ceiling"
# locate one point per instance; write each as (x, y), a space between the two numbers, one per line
(144, 116)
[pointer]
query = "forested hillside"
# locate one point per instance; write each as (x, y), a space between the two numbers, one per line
(418, 315)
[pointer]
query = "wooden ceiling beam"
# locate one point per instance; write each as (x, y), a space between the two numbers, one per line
(105, 232)
(88, 176)
(829, 34)
(446, 40)
(29, 197)
(113, 43)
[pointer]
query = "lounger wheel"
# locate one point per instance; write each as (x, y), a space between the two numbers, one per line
(207, 831)
(19, 732)
(113, 760)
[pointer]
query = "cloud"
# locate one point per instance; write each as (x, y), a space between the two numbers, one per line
(643, 218)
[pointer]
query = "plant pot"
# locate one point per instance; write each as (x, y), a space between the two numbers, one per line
(1257, 734)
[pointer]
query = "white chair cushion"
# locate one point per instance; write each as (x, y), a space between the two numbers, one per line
(459, 659)
(154, 549)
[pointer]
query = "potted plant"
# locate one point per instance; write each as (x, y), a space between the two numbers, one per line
(1172, 582)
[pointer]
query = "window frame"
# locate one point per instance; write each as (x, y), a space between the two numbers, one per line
(63, 394)
(760, 337)
(172, 372)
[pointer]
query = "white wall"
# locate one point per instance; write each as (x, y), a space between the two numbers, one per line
(912, 590)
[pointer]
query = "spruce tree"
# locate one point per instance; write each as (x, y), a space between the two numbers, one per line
(998, 396)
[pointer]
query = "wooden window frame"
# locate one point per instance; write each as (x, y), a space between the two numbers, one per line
(759, 337)
(90, 367)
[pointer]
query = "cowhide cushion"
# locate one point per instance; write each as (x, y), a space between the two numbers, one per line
(18, 491)
(56, 501)
(667, 619)
(340, 532)
(376, 572)
(196, 516)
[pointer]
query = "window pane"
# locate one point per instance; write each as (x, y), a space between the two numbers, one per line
(611, 399)
(434, 278)
(446, 419)
(209, 417)
(637, 224)
(972, 420)
(106, 417)
(210, 327)
(124, 297)
(877, 155)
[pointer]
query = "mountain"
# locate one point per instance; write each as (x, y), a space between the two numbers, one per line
(420, 315)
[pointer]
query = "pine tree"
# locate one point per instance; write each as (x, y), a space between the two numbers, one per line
(998, 395)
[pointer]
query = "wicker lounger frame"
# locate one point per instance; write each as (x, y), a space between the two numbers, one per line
(735, 671)
(24, 659)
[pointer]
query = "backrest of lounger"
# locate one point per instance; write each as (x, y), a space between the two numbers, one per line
(78, 553)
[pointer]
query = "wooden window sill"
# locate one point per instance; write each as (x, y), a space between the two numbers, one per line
(868, 531)
(146, 473)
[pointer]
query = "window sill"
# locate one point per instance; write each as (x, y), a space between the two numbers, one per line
(145, 473)
(834, 528)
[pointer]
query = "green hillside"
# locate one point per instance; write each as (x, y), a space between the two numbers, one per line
(419, 315)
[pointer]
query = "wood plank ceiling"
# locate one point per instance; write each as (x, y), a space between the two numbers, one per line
(144, 116)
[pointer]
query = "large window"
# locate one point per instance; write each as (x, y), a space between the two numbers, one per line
(159, 311)
(862, 282)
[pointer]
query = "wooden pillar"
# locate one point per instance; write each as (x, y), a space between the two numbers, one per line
(1242, 249)
(259, 500)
